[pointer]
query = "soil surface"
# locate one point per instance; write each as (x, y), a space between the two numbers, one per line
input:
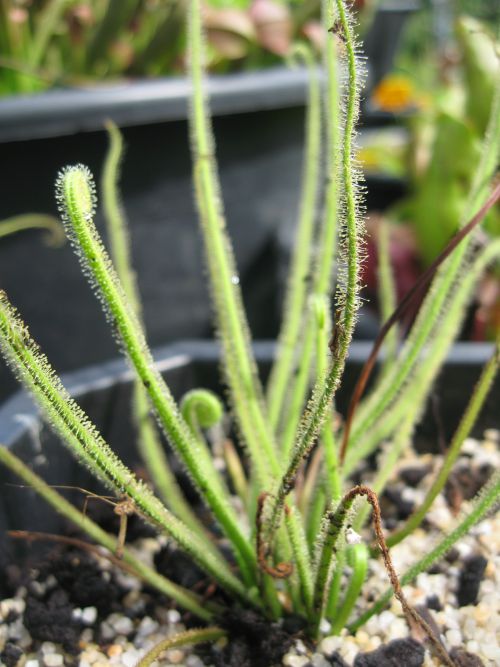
(76, 609)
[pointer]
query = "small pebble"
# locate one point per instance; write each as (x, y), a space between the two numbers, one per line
(86, 637)
(146, 627)
(176, 656)
(453, 638)
(107, 631)
(300, 647)
(114, 650)
(492, 434)
(194, 661)
(130, 658)
(325, 626)
(47, 647)
(295, 660)
(319, 660)
(329, 645)
(89, 615)
(53, 660)
(173, 616)
(123, 625)
(492, 652)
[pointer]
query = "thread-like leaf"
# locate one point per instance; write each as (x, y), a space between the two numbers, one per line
(46, 28)
(357, 557)
(76, 198)
(197, 636)
(118, 13)
(322, 265)
(445, 287)
(82, 438)
(386, 292)
(149, 442)
(472, 411)
(19, 223)
(239, 365)
(300, 269)
(184, 598)
(347, 296)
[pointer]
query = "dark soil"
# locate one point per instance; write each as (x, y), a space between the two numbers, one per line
(79, 583)
(433, 602)
(470, 578)
(463, 659)
(254, 641)
(394, 507)
(398, 653)
(10, 655)
(337, 660)
(179, 567)
(464, 482)
(413, 475)
(50, 619)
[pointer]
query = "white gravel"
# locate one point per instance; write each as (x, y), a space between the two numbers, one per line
(476, 627)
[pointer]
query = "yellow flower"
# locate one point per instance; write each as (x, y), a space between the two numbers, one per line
(394, 93)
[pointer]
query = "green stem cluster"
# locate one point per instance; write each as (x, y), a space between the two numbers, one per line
(322, 261)
(439, 318)
(239, 365)
(347, 301)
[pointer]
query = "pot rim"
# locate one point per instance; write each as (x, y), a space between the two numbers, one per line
(19, 410)
(59, 112)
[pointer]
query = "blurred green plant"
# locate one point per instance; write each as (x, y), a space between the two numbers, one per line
(445, 93)
(446, 140)
(65, 42)
(69, 42)
(19, 223)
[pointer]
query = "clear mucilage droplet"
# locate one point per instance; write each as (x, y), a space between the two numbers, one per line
(235, 280)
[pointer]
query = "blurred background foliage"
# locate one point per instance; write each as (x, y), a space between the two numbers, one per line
(441, 90)
(432, 107)
(46, 43)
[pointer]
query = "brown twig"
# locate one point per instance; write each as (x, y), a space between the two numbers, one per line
(419, 285)
(411, 614)
(123, 509)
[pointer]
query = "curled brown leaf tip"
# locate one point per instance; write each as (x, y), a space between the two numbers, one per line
(281, 570)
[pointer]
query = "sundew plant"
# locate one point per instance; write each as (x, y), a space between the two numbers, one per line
(285, 503)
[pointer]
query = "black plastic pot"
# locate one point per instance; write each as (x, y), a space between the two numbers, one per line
(258, 123)
(260, 151)
(104, 392)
